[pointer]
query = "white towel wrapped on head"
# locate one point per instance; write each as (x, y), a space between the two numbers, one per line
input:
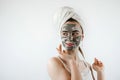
(63, 14)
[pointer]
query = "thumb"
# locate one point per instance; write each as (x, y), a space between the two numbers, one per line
(95, 61)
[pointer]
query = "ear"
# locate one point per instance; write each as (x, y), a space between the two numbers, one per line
(82, 36)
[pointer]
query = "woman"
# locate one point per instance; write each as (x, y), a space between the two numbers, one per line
(70, 64)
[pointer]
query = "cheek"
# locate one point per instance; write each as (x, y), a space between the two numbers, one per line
(63, 39)
(77, 40)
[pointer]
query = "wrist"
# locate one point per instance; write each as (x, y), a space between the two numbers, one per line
(101, 71)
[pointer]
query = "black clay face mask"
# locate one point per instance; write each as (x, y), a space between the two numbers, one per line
(70, 36)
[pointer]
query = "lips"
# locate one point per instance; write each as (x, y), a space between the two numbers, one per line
(69, 44)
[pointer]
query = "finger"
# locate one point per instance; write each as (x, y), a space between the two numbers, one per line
(60, 47)
(57, 49)
(95, 61)
(100, 63)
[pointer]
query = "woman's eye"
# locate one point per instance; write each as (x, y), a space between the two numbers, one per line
(65, 34)
(75, 34)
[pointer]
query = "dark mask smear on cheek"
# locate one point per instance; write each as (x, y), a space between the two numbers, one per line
(77, 41)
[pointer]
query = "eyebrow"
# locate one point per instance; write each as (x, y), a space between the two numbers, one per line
(64, 31)
(76, 31)
(72, 31)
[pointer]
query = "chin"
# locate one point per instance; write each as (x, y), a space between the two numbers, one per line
(70, 48)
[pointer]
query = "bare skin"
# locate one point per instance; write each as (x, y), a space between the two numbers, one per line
(55, 66)
(57, 71)
(99, 68)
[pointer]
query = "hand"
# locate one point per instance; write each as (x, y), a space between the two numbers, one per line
(97, 65)
(70, 60)
(65, 55)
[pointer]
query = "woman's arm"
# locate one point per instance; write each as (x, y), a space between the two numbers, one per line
(99, 68)
(100, 75)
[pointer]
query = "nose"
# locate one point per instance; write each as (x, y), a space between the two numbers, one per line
(70, 37)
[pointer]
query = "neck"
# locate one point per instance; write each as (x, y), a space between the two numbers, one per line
(73, 53)
(70, 52)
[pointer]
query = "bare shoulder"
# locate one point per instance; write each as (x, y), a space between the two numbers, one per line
(54, 62)
(56, 70)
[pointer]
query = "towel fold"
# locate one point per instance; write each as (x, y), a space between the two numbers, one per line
(63, 14)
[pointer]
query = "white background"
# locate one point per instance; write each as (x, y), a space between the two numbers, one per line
(28, 38)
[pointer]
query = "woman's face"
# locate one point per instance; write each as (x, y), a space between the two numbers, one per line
(71, 34)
